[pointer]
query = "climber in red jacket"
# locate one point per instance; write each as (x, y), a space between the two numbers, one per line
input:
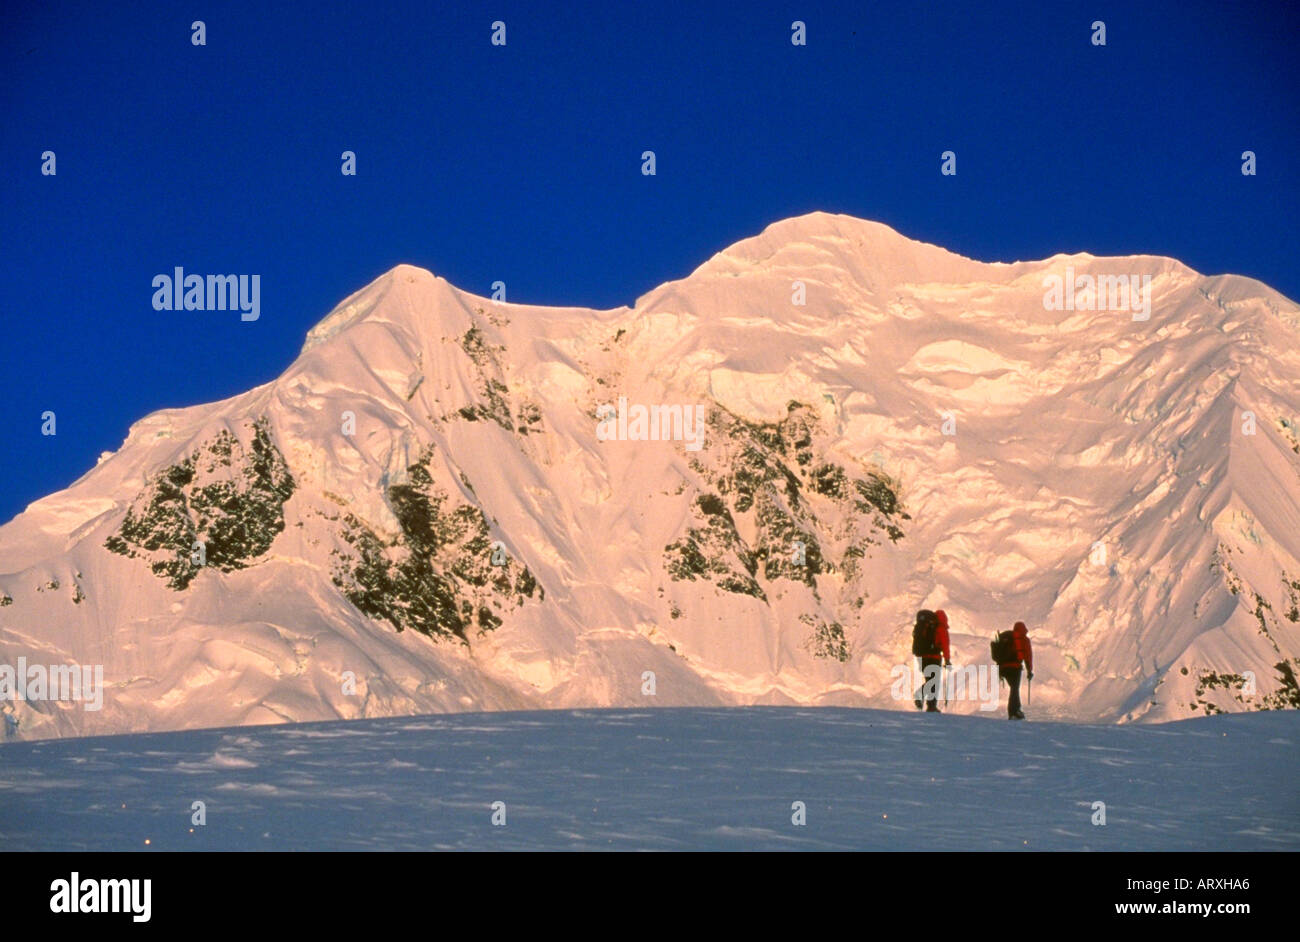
(1009, 670)
(930, 664)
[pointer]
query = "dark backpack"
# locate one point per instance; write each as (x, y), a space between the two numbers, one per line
(1003, 648)
(925, 634)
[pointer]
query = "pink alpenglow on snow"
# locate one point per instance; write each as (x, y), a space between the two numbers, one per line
(347, 511)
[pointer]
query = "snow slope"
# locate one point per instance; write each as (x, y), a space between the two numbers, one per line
(1129, 488)
(684, 779)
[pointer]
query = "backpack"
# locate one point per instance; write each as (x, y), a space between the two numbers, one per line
(1003, 648)
(925, 634)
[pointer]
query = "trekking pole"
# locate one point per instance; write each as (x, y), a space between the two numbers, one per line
(1029, 694)
(947, 685)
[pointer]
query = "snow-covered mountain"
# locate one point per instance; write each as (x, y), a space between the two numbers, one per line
(449, 503)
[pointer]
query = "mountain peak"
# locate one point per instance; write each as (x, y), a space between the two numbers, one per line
(833, 247)
(394, 296)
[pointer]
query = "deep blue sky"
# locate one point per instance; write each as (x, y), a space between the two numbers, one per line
(522, 163)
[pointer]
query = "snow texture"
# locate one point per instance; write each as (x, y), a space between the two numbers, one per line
(683, 779)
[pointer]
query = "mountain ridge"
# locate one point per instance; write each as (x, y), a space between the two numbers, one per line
(474, 424)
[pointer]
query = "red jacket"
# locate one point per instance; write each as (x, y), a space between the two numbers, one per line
(1024, 650)
(941, 636)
